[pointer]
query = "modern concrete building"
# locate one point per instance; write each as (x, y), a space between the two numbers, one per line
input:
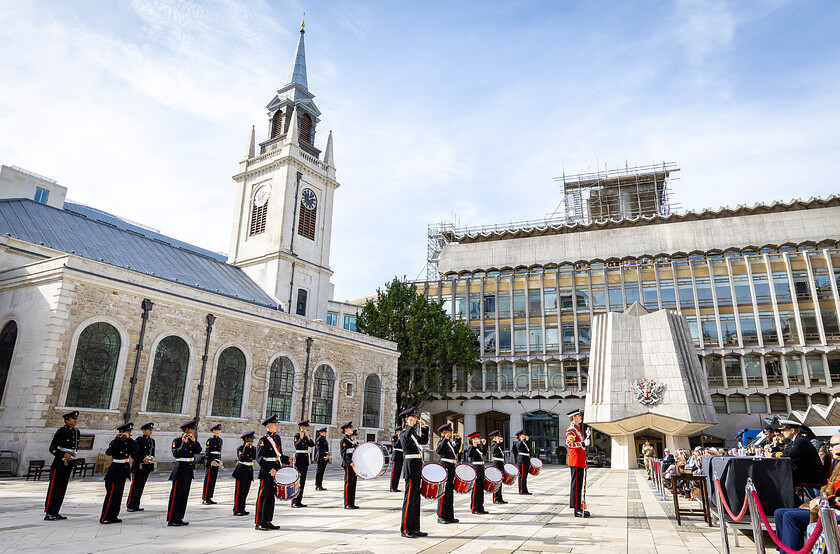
(118, 321)
(758, 286)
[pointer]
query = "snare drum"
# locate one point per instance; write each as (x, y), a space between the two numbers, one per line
(287, 483)
(536, 466)
(371, 460)
(492, 479)
(465, 476)
(510, 475)
(433, 481)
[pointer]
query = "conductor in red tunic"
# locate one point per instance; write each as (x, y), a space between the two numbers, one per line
(576, 443)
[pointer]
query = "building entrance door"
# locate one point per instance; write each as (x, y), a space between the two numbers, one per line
(655, 442)
(543, 430)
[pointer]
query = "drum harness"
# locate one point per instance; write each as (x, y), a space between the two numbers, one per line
(276, 451)
(414, 456)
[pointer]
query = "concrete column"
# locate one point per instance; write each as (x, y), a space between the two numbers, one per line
(623, 452)
(676, 442)
(469, 423)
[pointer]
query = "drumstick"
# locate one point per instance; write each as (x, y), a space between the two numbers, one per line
(583, 502)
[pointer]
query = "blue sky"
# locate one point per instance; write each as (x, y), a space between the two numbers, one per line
(440, 110)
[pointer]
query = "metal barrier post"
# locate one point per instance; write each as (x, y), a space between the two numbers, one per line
(661, 483)
(724, 539)
(758, 534)
(829, 525)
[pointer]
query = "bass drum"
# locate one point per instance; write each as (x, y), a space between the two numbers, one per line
(536, 466)
(287, 483)
(432, 481)
(465, 476)
(371, 460)
(492, 479)
(511, 473)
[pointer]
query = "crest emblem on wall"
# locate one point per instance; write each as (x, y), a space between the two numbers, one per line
(647, 391)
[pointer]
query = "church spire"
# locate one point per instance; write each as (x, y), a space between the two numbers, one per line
(297, 76)
(249, 153)
(328, 153)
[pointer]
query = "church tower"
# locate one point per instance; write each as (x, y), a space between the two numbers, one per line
(284, 203)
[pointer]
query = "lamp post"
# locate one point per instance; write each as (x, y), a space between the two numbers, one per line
(147, 307)
(211, 319)
(305, 378)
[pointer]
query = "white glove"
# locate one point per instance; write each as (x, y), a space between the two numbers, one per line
(588, 432)
(586, 442)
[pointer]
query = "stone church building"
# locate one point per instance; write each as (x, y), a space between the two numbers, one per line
(120, 322)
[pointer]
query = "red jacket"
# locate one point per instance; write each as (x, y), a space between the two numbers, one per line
(574, 442)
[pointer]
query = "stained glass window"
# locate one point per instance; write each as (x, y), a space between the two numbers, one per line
(322, 395)
(281, 378)
(94, 367)
(169, 376)
(373, 395)
(230, 382)
(8, 336)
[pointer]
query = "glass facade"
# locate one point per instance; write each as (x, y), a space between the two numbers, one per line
(762, 320)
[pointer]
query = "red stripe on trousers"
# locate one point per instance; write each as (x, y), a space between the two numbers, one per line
(130, 491)
(172, 500)
(346, 483)
(405, 507)
(236, 497)
(49, 493)
(108, 505)
(259, 497)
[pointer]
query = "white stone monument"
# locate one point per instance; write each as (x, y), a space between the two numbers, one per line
(644, 375)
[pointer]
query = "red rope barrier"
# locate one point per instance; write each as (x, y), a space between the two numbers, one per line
(808, 546)
(740, 516)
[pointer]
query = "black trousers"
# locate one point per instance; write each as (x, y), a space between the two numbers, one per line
(446, 503)
(265, 502)
(59, 477)
(303, 469)
(477, 498)
(178, 500)
(349, 486)
(396, 471)
(497, 496)
(209, 482)
(577, 488)
(523, 477)
(135, 493)
(114, 488)
(240, 495)
(411, 507)
(319, 474)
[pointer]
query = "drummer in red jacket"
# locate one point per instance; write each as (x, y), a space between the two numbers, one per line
(576, 444)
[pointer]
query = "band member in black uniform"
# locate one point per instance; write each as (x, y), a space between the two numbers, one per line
(348, 446)
(447, 449)
(212, 462)
(474, 455)
(64, 446)
(322, 456)
(244, 473)
(497, 460)
(184, 449)
(141, 467)
(121, 449)
(397, 459)
(270, 458)
(303, 442)
(523, 460)
(410, 440)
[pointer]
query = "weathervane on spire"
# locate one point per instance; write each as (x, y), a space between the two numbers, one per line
(303, 22)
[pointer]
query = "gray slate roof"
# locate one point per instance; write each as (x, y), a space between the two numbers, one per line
(123, 245)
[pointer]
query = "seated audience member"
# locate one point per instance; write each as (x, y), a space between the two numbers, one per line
(791, 523)
(667, 460)
(804, 459)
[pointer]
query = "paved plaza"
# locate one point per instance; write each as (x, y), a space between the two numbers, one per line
(626, 515)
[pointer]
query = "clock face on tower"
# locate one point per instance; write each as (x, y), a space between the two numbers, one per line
(261, 196)
(309, 199)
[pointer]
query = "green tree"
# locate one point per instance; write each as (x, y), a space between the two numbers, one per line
(431, 344)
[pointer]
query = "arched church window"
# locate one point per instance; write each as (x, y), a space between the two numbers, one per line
(306, 128)
(94, 367)
(308, 214)
(8, 337)
(230, 383)
(169, 376)
(281, 378)
(370, 407)
(322, 395)
(277, 124)
(259, 210)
